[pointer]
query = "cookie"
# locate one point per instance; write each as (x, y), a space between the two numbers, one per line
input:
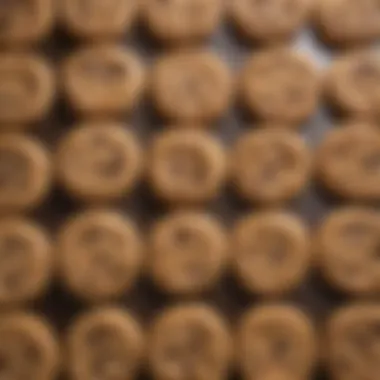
(279, 85)
(106, 343)
(189, 341)
(97, 19)
(269, 166)
(27, 88)
(352, 342)
(192, 86)
(103, 80)
(25, 173)
(28, 347)
(275, 342)
(348, 22)
(186, 166)
(347, 245)
(271, 252)
(99, 161)
(181, 22)
(271, 21)
(348, 162)
(352, 84)
(188, 252)
(25, 22)
(100, 255)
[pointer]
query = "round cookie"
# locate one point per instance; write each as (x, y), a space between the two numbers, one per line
(189, 341)
(25, 173)
(279, 85)
(99, 161)
(347, 244)
(27, 88)
(28, 347)
(98, 19)
(348, 162)
(100, 255)
(186, 166)
(103, 80)
(352, 342)
(192, 86)
(106, 343)
(352, 85)
(271, 252)
(269, 166)
(178, 22)
(25, 22)
(188, 252)
(275, 342)
(270, 21)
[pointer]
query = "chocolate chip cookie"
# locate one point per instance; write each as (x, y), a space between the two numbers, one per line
(100, 255)
(189, 342)
(271, 252)
(106, 343)
(27, 88)
(269, 166)
(25, 173)
(191, 86)
(276, 342)
(186, 166)
(99, 161)
(280, 85)
(188, 252)
(103, 80)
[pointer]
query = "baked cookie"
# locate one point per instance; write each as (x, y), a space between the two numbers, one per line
(100, 255)
(271, 252)
(352, 342)
(103, 80)
(188, 252)
(99, 161)
(186, 166)
(106, 343)
(25, 22)
(275, 342)
(191, 86)
(269, 166)
(279, 85)
(348, 163)
(270, 21)
(28, 347)
(25, 173)
(27, 88)
(189, 342)
(352, 85)
(98, 19)
(181, 22)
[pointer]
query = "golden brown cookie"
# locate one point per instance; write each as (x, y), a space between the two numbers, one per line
(269, 166)
(25, 173)
(186, 166)
(269, 21)
(27, 88)
(106, 343)
(99, 161)
(276, 342)
(271, 252)
(100, 255)
(189, 342)
(98, 19)
(191, 86)
(279, 85)
(28, 347)
(188, 252)
(103, 80)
